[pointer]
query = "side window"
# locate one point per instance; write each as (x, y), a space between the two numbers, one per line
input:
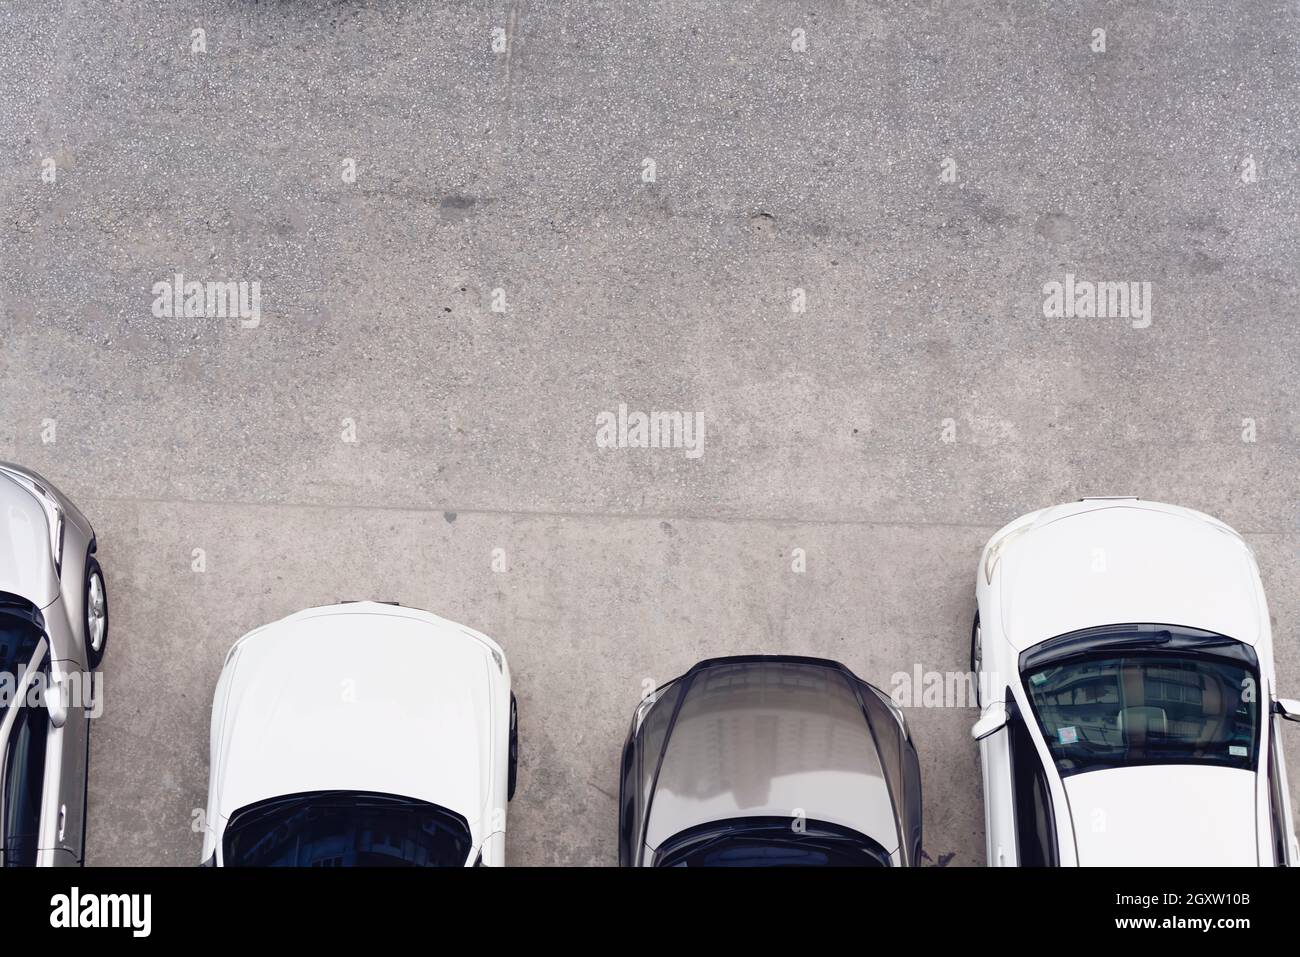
(1035, 825)
(24, 779)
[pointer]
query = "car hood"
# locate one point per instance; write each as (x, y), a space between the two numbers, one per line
(26, 564)
(771, 739)
(1159, 564)
(358, 698)
(1173, 815)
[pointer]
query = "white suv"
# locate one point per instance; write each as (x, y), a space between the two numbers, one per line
(1129, 708)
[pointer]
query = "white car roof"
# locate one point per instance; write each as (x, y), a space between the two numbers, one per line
(1123, 562)
(359, 697)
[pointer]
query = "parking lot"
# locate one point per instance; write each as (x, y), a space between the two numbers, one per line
(833, 256)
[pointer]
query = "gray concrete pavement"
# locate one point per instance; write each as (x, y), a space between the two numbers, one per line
(522, 171)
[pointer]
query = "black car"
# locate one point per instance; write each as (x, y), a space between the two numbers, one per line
(769, 761)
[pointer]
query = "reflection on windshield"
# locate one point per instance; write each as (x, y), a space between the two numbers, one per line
(345, 829)
(1135, 709)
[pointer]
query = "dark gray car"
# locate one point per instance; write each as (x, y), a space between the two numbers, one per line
(769, 761)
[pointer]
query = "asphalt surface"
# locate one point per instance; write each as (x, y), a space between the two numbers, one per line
(523, 171)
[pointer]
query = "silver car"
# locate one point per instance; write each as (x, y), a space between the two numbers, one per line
(769, 761)
(53, 631)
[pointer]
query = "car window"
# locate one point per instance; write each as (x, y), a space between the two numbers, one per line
(770, 842)
(1035, 823)
(24, 779)
(19, 637)
(1113, 710)
(345, 829)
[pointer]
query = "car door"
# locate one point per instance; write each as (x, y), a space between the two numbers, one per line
(29, 773)
(1285, 849)
(73, 737)
(999, 798)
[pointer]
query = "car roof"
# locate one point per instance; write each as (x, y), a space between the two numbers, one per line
(771, 736)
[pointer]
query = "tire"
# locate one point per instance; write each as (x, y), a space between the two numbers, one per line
(94, 649)
(513, 776)
(976, 635)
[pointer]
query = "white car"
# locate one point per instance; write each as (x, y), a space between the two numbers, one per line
(1129, 709)
(361, 734)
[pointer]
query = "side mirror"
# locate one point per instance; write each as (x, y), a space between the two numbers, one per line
(993, 721)
(1288, 708)
(56, 702)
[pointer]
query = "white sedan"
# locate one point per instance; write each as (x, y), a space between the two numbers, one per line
(361, 734)
(1129, 709)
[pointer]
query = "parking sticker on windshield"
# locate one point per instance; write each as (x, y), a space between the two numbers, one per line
(1067, 735)
(1237, 750)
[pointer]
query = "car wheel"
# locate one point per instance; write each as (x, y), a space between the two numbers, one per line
(976, 656)
(96, 607)
(514, 749)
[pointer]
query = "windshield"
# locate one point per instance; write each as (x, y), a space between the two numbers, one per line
(771, 842)
(1119, 710)
(345, 829)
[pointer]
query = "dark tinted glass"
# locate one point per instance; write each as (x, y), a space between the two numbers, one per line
(18, 640)
(1035, 823)
(771, 842)
(24, 777)
(346, 829)
(1141, 708)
